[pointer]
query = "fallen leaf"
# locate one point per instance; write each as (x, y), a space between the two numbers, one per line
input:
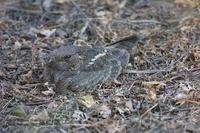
(87, 101)
(181, 96)
(2, 73)
(129, 105)
(153, 85)
(78, 115)
(5, 24)
(41, 116)
(61, 1)
(105, 15)
(47, 32)
(104, 110)
(181, 101)
(27, 77)
(192, 3)
(114, 126)
(152, 95)
(185, 88)
(17, 45)
(196, 53)
(48, 92)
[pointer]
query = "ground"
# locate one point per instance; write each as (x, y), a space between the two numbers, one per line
(160, 89)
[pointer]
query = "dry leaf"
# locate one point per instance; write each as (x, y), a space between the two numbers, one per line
(41, 116)
(87, 101)
(116, 99)
(61, 1)
(129, 105)
(105, 16)
(153, 84)
(192, 3)
(181, 96)
(114, 126)
(186, 93)
(181, 101)
(189, 22)
(5, 24)
(48, 92)
(17, 45)
(196, 53)
(186, 88)
(152, 95)
(123, 111)
(45, 32)
(104, 110)
(27, 77)
(78, 115)
(2, 73)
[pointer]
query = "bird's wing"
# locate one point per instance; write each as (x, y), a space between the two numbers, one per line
(120, 55)
(103, 58)
(101, 64)
(88, 79)
(96, 59)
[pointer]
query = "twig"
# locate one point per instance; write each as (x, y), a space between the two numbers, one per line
(168, 69)
(142, 21)
(138, 21)
(148, 110)
(128, 21)
(146, 71)
(6, 104)
(78, 8)
(146, 59)
(131, 86)
(86, 17)
(91, 19)
(85, 27)
(32, 11)
(22, 10)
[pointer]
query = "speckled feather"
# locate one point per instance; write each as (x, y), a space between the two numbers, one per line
(79, 68)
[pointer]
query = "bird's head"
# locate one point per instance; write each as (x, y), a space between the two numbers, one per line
(65, 52)
(62, 56)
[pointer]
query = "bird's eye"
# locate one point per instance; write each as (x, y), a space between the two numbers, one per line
(67, 57)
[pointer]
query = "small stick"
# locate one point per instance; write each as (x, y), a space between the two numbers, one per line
(146, 71)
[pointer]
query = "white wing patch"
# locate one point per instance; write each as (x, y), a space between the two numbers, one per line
(97, 57)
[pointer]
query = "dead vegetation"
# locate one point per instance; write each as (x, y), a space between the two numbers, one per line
(160, 90)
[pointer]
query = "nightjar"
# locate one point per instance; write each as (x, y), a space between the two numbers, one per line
(81, 68)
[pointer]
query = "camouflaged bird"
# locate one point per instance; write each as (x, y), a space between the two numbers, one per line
(78, 68)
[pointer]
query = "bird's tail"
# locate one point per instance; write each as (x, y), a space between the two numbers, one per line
(128, 42)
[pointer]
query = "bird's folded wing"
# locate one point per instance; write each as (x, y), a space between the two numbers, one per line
(96, 59)
(84, 79)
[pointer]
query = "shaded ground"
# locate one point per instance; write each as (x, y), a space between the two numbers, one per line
(160, 91)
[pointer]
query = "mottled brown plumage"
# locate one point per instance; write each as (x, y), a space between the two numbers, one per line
(79, 68)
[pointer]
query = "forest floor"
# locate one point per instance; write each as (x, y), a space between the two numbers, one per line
(160, 90)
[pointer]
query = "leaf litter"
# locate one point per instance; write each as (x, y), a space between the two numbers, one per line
(160, 89)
